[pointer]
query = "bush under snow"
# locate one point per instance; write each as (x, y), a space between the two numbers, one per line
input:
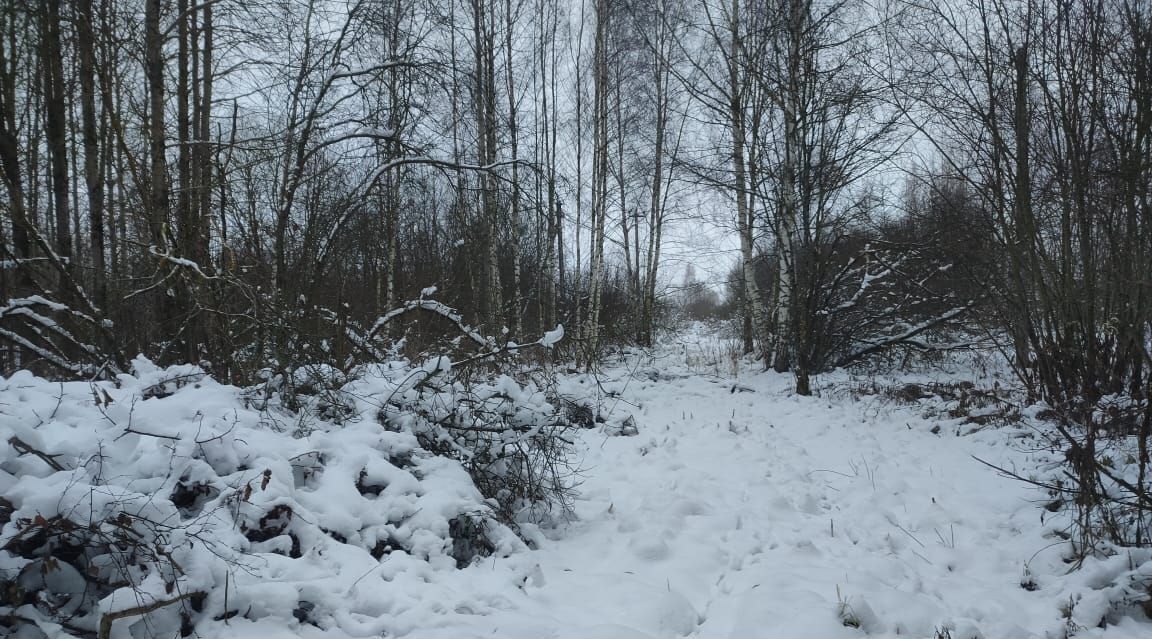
(165, 502)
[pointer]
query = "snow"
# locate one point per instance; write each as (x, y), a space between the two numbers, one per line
(731, 515)
(335, 492)
(552, 337)
(760, 514)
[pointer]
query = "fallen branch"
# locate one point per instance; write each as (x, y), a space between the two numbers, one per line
(108, 618)
(24, 448)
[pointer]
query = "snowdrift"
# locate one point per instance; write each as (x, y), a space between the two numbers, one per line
(166, 503)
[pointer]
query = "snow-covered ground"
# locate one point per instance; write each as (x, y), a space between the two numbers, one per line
(738, 512)
(743, 512)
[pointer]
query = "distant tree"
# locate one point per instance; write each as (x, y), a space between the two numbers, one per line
(697, 300)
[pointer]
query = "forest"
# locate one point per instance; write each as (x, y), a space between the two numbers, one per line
(462, 208)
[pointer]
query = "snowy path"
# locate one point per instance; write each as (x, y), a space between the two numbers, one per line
(742, 515)
(755, 514)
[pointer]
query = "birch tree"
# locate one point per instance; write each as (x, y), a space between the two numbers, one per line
(833, 132)
(725, 88)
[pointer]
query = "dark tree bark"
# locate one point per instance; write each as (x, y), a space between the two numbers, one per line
(93, 153)
(55, 125)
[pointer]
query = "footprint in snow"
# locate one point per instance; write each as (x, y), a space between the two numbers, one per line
(606, 632)
(651, 549)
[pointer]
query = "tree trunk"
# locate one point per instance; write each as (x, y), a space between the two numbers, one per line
(744, 214)
(514, 209)
(158, 173)
(485, 107)
(600, 166)
(93, 171)
(55, 127)
(13, 171)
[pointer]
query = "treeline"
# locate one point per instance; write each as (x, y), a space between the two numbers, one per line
(1043, 112)
(1029, 221)
(251, 185)
(1030, 226)
(254, 184)
(257, 185)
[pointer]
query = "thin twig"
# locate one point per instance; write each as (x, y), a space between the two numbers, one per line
(23, 447)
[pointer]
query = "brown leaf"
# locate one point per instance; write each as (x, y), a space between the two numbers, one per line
(247, 492)
(267, 478)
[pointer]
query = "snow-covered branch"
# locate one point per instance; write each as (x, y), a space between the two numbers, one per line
(871, 345)
(436, 308)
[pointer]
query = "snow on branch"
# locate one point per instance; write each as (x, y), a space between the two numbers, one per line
(55, 339)
(182, 262)
(885, 296)
(436, 308)
(17, 263)
(43, 353)
(875, 345)
(490, 345)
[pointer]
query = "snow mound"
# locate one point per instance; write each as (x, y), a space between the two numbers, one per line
(166, 503)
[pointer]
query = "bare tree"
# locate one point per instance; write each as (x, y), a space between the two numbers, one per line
(600, 169)
(725, 87)
(833, 134)
(1042, 109)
